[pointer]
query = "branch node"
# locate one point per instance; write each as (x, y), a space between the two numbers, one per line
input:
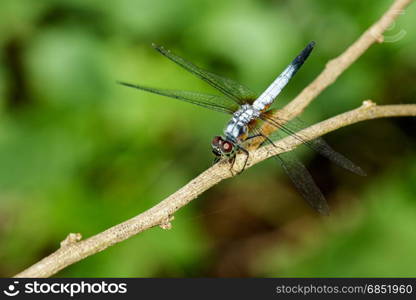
(166, 223)
(368, 104)
(71, 239)
(380, 39)
(331, 63)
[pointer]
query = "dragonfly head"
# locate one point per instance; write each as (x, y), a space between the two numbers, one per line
(222, 147)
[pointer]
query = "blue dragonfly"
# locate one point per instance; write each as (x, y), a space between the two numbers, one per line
(248, 111)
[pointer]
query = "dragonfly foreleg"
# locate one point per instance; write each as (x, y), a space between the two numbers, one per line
(267, 139)
(245, 161)
(254, 136)
(216, 159)
(232, 161)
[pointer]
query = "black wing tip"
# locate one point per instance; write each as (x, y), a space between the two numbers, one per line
(156, 46)
(323, 210)
(359, 171)
(160, 48)
(125, 83)
(135, 86)
(350, 166)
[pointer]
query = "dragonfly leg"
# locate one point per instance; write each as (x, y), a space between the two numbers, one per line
(245, 161)
(266, 138)
(232, 161)
(216, 159)
(254, 136)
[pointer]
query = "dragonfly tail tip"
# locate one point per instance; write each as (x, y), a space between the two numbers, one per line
(310, 47)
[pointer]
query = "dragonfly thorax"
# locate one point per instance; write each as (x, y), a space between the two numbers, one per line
(235, 132)
(237, 128)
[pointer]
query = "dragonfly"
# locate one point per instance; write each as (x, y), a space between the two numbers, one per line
(248, 112)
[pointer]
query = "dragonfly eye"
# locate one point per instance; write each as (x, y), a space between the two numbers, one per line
(217, 141)
(227, 147)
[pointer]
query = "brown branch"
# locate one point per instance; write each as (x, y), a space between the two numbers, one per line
(73, 249)
(369, 110)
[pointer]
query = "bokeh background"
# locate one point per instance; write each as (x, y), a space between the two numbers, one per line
(79, 153)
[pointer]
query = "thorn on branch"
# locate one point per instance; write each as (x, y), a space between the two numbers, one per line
(331, 64)
(378, 36)
(166, 223)
(71, 239)
(380, 39)
(368, 103)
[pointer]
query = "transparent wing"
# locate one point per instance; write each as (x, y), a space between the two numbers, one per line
(303, 182)
(300, 177)
(293, 126)
(237, 92)
(213, 102)
(270, 94)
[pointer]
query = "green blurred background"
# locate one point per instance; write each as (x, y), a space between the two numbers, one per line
(79, 153)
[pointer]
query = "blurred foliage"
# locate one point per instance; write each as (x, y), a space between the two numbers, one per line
(79, 153)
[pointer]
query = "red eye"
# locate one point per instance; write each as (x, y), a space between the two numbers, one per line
(227, 147)
(217, 141)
